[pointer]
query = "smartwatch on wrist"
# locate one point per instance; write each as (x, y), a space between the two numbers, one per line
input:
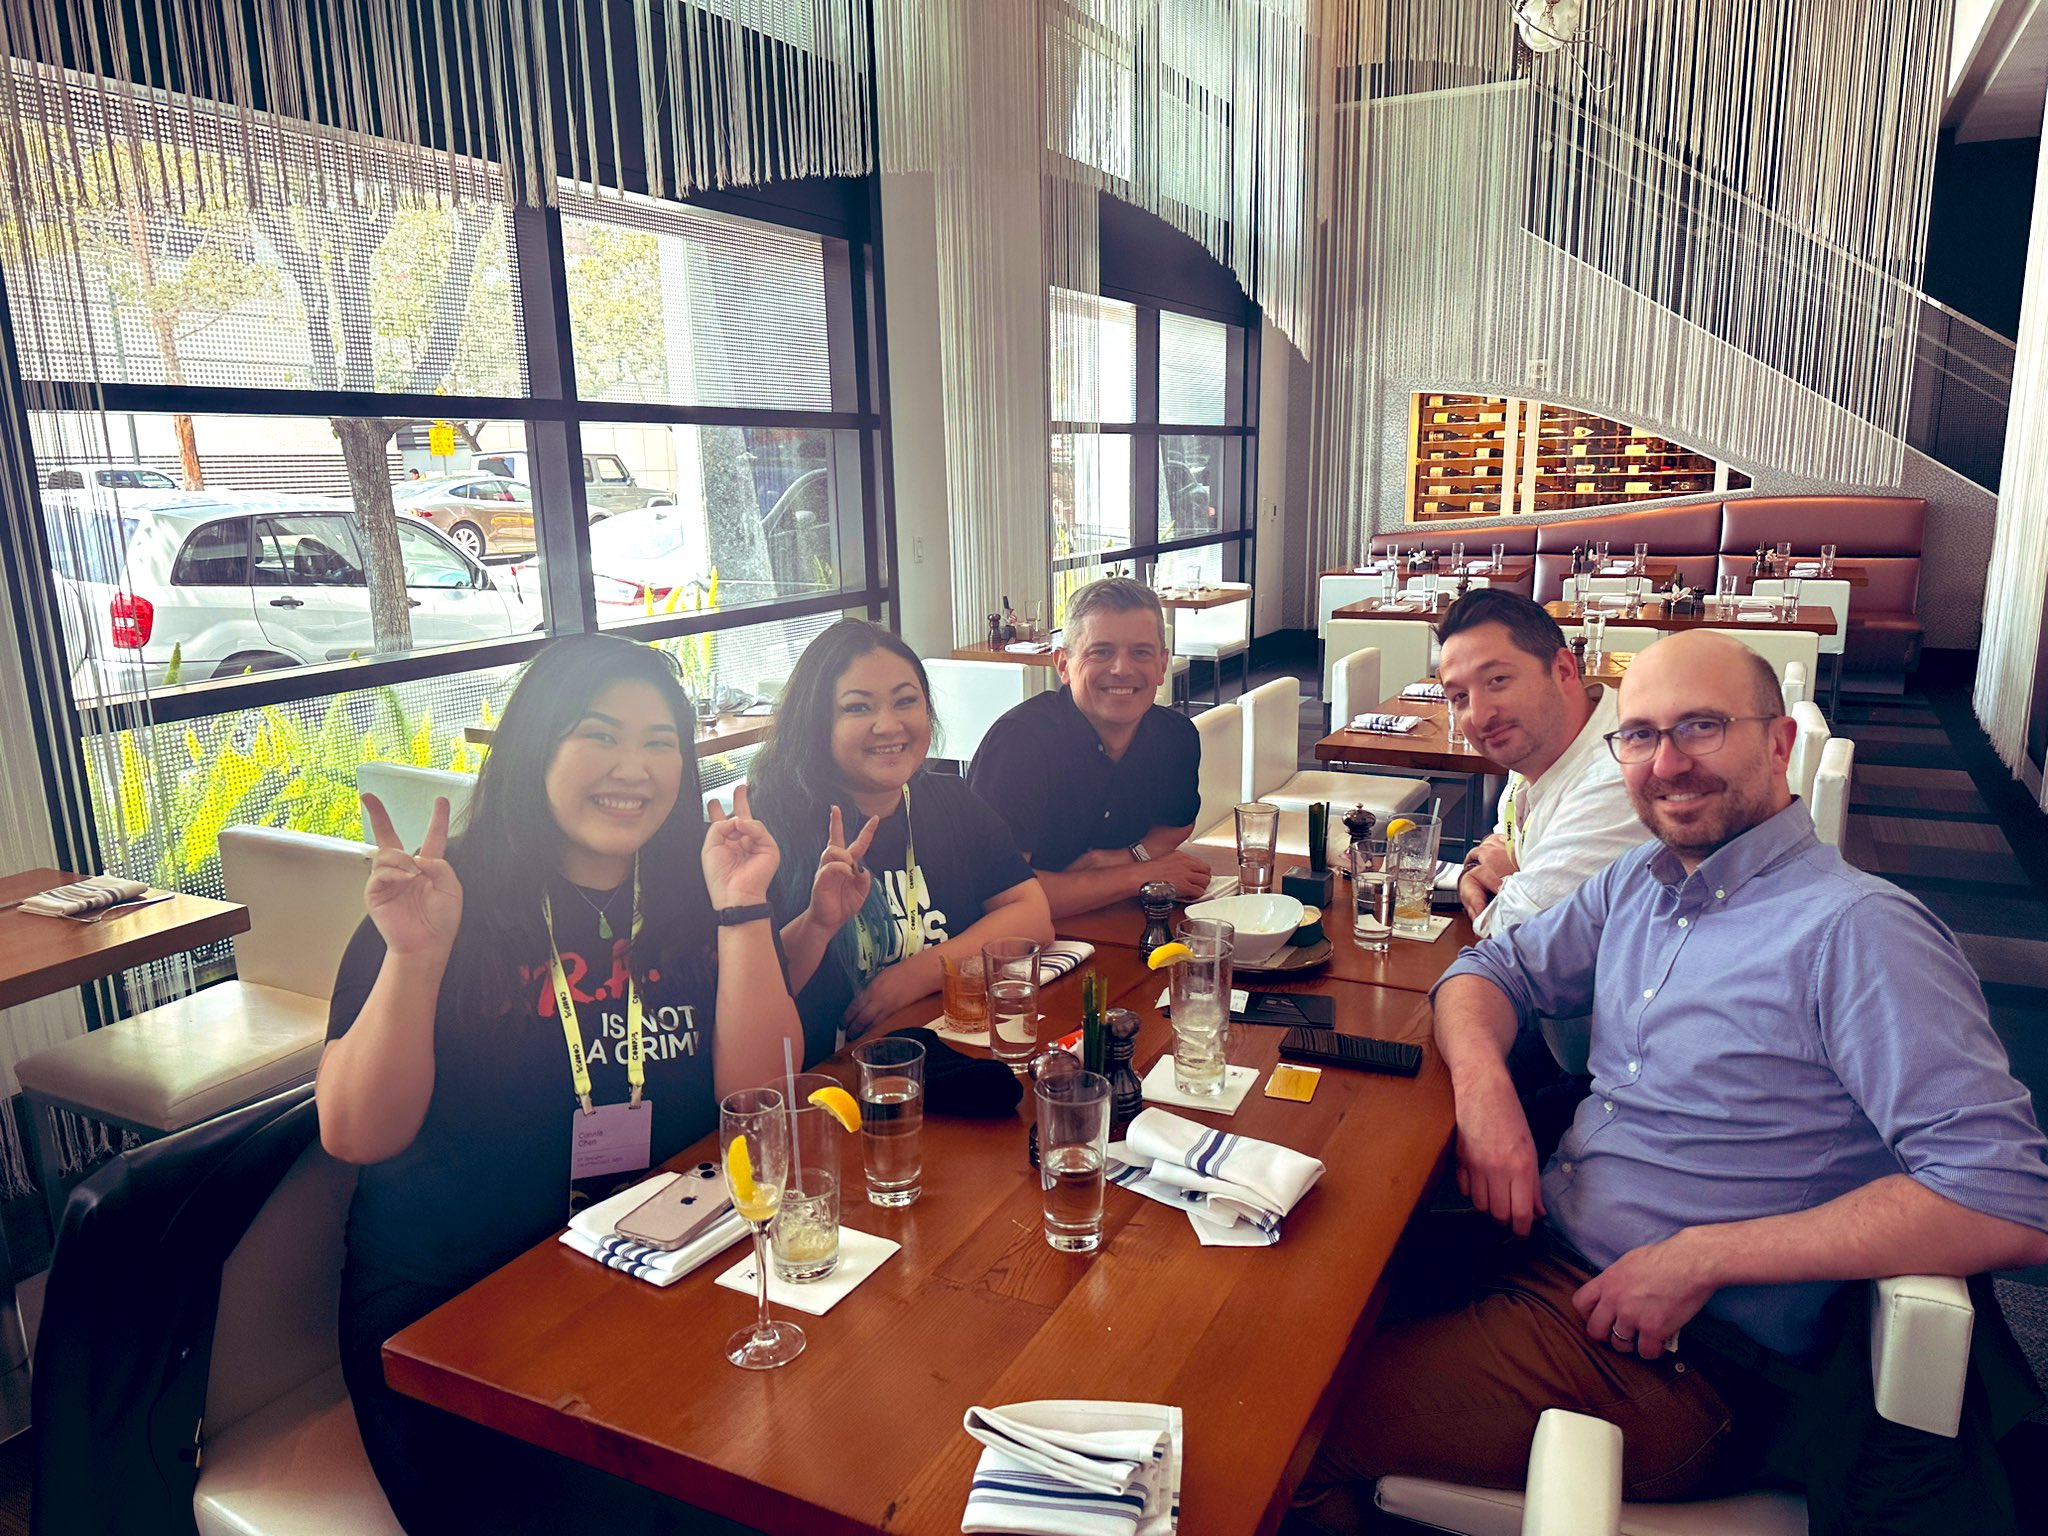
(738, 917)
(1140, 853)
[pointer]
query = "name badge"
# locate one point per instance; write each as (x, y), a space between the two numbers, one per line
(617, 1139)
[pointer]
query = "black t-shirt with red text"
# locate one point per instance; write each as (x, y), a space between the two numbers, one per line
(487, 1176)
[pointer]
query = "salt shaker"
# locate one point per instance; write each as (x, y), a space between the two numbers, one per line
(1046, 1064)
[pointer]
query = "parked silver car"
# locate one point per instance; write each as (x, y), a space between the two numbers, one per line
(608, 486)
(238, 583)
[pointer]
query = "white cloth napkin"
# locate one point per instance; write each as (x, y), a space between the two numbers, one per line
(1158, 1088)
(1478, 567)
(87, 895)
(1423, 691)
(1755, 615)
(1056, 960)
(1391, 605)
(1805, 568)
(1619, 568)
(1766, 603)
(1608, 600)
(1071, 1468)
(860, 1255)
(592, 1233)
(1448, 873)
(1029, 647)
(1392, 725)
(1235, 1190)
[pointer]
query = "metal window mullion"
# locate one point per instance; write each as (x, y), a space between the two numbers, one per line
(562, 513)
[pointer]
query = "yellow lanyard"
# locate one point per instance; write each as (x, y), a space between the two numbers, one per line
(913, 938)
(572, 1028)
(1514, 795)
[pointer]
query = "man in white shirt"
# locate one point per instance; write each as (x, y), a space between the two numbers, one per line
(1565, 814)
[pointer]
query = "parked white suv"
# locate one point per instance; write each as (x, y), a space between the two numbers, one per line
(608, 486)
(239, 583)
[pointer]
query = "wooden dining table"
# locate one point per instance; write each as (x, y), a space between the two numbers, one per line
(1656, 615)
(1511, 571)
(862, 1433)
(42, 955)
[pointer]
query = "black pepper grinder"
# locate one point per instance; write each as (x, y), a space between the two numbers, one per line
(1046, 1064)
(1358, 822)
(995, 631)
(1156, 898)
(1126, 1093)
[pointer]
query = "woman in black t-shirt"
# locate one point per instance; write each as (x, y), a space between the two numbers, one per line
(579, 900)
(933, 872)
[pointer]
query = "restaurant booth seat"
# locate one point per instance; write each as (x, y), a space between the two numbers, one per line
(408, 795)
(230, 1044)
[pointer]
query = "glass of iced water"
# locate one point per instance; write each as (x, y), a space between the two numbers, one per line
(1372, 894)
(1010, 967)
(1593, 622)
(1788, 603)
(1724, 594)
(803, 1242)
(1200, 994)
(1258, 836)
(1642, 561)
(1827, 559)
(1411, 862)
(1073, 1142)
(1500, 552)
(892, 1118)
(1457, 555)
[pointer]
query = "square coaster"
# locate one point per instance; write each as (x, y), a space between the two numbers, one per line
(1237, 1083)
(1437, 925)
(860, 1255)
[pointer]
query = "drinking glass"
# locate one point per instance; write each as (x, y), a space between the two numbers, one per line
(1643, 558)
(1457, 554)
(804, 1239)
(1372, 894)
(892, 1118)
(1499, 555)
(1601, 550)
(1454, 725)
(1724, 593)
(1411, 860)
(1784, 556)
(1429, 588)
(1827, 559)
(753, 1138)
(1011, 966)
(1258, 831)
(1073, 1144)
(1788, 603)
(965, 994)
(1199, 985)
(1594, 624)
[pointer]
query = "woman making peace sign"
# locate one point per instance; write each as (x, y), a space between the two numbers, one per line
(481, 1048)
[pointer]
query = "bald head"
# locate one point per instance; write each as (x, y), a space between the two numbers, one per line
(1696, 804)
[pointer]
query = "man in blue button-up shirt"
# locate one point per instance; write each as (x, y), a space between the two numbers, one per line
(1795, 1085)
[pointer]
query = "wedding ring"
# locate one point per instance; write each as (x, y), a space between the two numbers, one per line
(1619, 1337)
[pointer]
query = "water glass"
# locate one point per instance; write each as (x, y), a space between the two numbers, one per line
(1073, 1145)
(1011, 968)
(1724, 594)
(1788, 602)
(892, 1118)
(1601, 551)
(1454, 725)
(753, 1146)
(1643, 558)
(1199, 988)
(1372, 895)
(1411, 861)
(1827, 559)
(965, 994)
(1593, 622)
(1784, 556)
(1457, 554)
(1258, 833)
(1500, 552)
(803, 1241)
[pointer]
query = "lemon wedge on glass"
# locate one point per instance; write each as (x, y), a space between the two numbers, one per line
(1167, 954)
(839, 1104)
(739, 1174)
(1399, 825)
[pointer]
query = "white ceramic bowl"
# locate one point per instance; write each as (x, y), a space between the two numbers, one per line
(1263, 924)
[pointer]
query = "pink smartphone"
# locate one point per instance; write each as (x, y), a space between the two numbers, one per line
(681, 1210)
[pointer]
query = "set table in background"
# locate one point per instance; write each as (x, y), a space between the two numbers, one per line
(42, 955)
(1656, 615)
(863, 1433)
(1511, 571)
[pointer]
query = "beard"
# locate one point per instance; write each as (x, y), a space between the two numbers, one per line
(1697, 829)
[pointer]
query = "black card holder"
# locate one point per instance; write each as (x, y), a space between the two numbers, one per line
(1288, 1010)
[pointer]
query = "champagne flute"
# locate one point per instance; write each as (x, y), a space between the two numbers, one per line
(753, 1136)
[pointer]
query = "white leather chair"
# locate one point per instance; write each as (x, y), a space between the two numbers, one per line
(1830, 802)
(1214, 635)
(229, 1044)
(408, 794)
(281, 1450)
(1272, 746)
(1221, 774)
(1815, 592)
(1780, 647)
(970, 696)
(1354, 685)
(1806, 748)
(1403, 644)
(1334, 592)
(1920, 1327)
(1796, 686)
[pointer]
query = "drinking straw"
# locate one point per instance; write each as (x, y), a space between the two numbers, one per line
(789, 1079)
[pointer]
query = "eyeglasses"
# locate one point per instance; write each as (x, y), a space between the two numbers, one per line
(1701, 736)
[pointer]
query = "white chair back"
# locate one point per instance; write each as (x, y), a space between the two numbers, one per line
(1830, 803)
(1780, 647)
(1403, 645)
(1594, 586)
(1272, 735)
(1215, 632)
(1806, 748)
(408, 794)
(1796, 686)
(1221, 775)
(304, 893)
(1334, 592)
(1619, 637)
(1816, 593)
(970, 696)
(1355, 686)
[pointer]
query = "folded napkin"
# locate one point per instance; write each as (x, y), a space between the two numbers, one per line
(592, 1233)
(1478, 567)
(1756, 602)
(1608, 600)
(1070, 1468)
(1235, 1190)
(1392, 605)
(1056, 960)
(87, 895)
(1756, 615)
(1448, 873)
(1806, 568)
(1029, 647)
(1424, 691)
(1393, 725)
(1619, 568)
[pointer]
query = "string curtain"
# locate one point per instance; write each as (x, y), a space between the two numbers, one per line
(1702, 214)
(2016, 583)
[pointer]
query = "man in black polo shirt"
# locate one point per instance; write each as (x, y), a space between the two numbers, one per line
(1098, 782)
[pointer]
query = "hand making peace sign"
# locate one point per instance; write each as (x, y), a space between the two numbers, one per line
(842, 881)
(415, 900)
(740, 856)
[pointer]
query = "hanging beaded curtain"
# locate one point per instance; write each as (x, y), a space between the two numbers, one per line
(2017, 582)
(1704, 214)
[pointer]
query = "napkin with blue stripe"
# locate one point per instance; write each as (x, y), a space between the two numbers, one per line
(1075, 1468)
(592, 1233)
(1393, 725)
(1236, 1190)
